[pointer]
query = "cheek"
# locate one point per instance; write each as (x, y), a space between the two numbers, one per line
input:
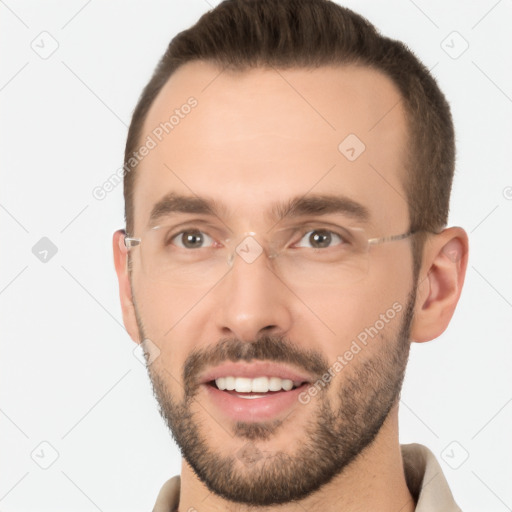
(164, 307)
(348, 312)
(167, 315)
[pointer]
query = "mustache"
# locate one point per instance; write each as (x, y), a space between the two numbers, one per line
(276, 349)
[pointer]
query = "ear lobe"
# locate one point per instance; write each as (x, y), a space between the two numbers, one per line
(125, 291)
(444, 267)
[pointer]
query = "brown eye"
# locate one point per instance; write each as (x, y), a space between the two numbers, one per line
(320, 239)
(191, 239)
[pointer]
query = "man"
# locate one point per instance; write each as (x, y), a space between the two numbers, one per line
(287, 182)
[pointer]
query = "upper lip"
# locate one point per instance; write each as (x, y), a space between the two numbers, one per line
(253, 370)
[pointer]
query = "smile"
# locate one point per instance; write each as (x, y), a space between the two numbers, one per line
(258, 399)
(255, 385)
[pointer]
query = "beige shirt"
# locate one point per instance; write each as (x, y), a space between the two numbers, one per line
(423, 474)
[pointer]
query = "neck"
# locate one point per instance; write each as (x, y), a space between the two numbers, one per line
(375, 480)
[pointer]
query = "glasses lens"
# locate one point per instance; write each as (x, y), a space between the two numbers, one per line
(333, 256)
(315, 257)
(188, 257)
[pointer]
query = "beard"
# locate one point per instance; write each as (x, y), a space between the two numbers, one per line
(368, 388)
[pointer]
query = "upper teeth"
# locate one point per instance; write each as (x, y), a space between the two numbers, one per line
(259, 384)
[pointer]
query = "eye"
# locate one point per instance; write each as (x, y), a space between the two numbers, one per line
(320, 239)
(191, 239)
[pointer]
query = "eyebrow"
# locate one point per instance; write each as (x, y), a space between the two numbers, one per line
(320, 204)
(300, 206)
(177, 203)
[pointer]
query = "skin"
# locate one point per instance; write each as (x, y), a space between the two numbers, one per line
(255, 138)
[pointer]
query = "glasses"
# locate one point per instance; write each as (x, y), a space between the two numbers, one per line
(200, 254)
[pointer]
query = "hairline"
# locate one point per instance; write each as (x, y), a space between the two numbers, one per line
(408, 150)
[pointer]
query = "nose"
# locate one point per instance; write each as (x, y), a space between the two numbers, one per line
(252, 300)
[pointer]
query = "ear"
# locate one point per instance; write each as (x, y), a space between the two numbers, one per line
(125, 291)
(445, 258)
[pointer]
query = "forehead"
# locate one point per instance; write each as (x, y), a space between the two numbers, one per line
(249, 140)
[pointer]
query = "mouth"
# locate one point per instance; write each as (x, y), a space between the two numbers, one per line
(259, 387)
(259, 404)
(255, 391)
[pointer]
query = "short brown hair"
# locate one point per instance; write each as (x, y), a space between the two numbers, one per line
(243, 34)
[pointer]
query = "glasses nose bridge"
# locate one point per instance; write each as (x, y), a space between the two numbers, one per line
(250, 246)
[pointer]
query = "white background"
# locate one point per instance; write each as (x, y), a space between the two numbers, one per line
(68, 373)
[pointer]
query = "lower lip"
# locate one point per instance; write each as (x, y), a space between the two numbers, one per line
(253, 409)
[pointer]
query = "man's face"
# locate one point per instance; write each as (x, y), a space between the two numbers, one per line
(256, 139)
